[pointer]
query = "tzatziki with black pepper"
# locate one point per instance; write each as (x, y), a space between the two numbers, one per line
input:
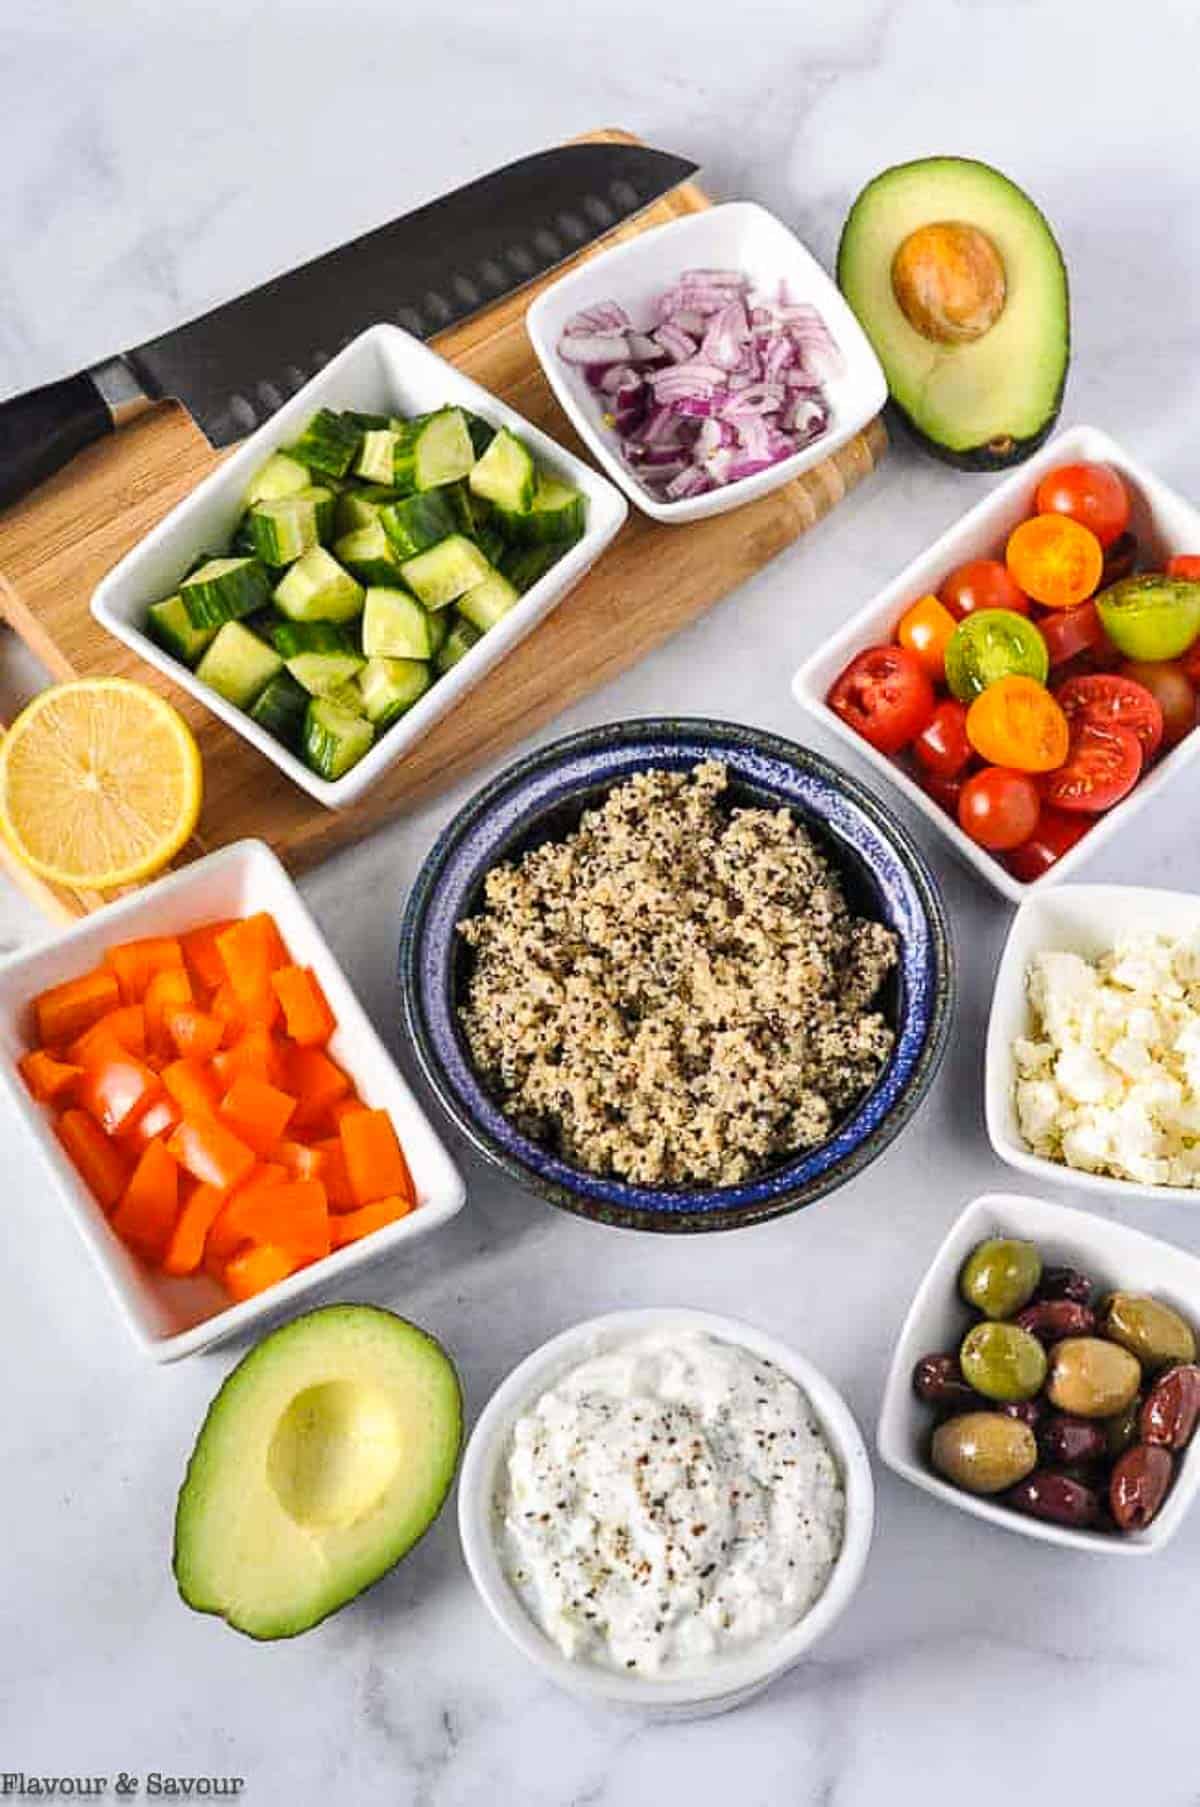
(668, 1502)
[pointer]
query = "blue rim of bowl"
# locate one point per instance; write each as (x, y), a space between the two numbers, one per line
(569, 775)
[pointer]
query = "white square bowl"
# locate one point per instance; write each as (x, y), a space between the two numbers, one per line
(739, 235)
(173, 1317)
(1073, 919)
(1164, 523)
(386, 371)
(937, 1320)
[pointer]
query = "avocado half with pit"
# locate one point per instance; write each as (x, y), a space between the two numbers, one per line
(959, 284)
(324, 1457)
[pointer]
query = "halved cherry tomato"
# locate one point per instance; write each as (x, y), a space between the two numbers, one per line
(1185, 564)
(1174, 692)
(944, 791)
(1103, 766)
(1120, 560)
(1055, 560)
(1056, 833)
(1017, 723)
(1091, 494)
(982, 583)
(998, 808)
(1107, 701)
(885, 694)
(1069, 632)
(942, 748)
(924, 630)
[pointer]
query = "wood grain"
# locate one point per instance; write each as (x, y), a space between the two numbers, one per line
(57, 544)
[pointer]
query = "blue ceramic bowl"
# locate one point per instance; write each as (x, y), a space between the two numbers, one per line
(541, 798)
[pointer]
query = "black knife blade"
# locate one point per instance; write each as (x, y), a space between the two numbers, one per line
(235, 365)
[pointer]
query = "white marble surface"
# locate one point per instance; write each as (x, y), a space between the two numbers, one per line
(158, 158)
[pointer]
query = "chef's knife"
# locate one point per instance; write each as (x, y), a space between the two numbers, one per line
(233, 367)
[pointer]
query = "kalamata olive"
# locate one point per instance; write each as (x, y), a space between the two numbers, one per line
(999, 1276)
(1060, 1498)
(983, 1452)
(1065, 1283)
(1028, 1411)
(1090, 1378)
(1064, 1441)
(1122, 1430)
(1152, 1331)
(1052, 1319)
(937, 1379)
(1003, 1362)
(1139, 1484)
(1171, 1408)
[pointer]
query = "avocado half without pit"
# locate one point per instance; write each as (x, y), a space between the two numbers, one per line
(324, 1457)
(959, 284)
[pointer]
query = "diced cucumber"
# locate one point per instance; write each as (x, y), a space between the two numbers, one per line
(390, 687)
(281, 709)
(482, 432)
(446, 571)
(238, 665)
(330, 442)
(225, 589)
(323, 673)
(395, 626)
(285, 527)
(369, 554)
(334, 740)
(438, 623)
(492, 544)
(558, 513)
(292, 637)
(279, 476)
(458, 643)
(376, 462)
(488, 602)
(434, 449)
(360, 507)
(471, 513)
(169, 623)
(370, 423)
(524, 565)
(417, 522)
(506, 474)
(242, 542)
(317, 589)
(349, 697)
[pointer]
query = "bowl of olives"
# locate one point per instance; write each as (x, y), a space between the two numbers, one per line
(1047, 1377)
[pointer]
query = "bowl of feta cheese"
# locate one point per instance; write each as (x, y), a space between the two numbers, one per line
(665, 1509)
(1092, 1070)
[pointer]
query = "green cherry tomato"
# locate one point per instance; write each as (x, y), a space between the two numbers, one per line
(991, 644)
(1150, 617)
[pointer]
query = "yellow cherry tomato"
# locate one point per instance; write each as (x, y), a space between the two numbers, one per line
(925, 630)
(1017, 723)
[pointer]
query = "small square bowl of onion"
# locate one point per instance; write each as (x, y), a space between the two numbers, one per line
(1127, 1498)
(707, 362)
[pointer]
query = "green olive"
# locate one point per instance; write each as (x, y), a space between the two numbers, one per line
(1152, 1331)
(1000, 1276)
(1121, 1431)
(1090, 1377)
(984, 1452)
(1003, 1362)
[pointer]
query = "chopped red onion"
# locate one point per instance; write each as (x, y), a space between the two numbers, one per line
(594, 348)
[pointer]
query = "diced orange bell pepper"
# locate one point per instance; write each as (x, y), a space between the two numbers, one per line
(211, 1152)
(159, 1119)
(228, 1012)
(256, 1268)
(201, 955)
(193, 1087)
(116, 1088)
(185, 1250)
(124, 1027)
(66, 1010)
(344, 1107)
(256, 1111)
(350, 1226)
(230, 1231)
(100, 1162)
(166, 991)
(194, 1034)
(145, 1217)
(334, 1176)
(294, 1216)
(316, 1083)
(301, 1161)
(46, 1077)
(374, 1158)
(254, 1051)
(309, 1020)
(136, 962)
(251, 951)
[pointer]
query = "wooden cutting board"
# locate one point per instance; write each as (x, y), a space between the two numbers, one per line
(57, 544)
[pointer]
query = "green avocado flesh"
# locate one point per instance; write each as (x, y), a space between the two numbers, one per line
(991, 401)
(324, 1457)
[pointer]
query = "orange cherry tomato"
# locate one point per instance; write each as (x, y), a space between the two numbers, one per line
(1017, 723)
(1055, 560)
(924, 630)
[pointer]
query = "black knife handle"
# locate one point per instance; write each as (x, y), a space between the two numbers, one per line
(43, 430)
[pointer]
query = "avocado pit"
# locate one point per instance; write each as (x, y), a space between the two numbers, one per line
(949, 282)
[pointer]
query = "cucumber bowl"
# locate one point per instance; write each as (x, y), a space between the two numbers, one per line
(384, 372)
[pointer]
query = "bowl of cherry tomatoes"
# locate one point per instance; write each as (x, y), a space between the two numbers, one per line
(1034, 676)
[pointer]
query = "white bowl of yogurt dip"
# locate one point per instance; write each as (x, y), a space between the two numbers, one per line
(664, 1510)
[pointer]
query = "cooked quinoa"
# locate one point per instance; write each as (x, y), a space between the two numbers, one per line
(677, 993)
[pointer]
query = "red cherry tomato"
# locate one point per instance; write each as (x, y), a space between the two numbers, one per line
(982, 583)
(999, 809)
(942, 748)
(1091, 494)
(1174, 692)
(1056, 833)
(1120, 560)
(886, 695)
(944, 791)
(1107, 700)
(1069, 632)
(1184, 564)
(1102, 766)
